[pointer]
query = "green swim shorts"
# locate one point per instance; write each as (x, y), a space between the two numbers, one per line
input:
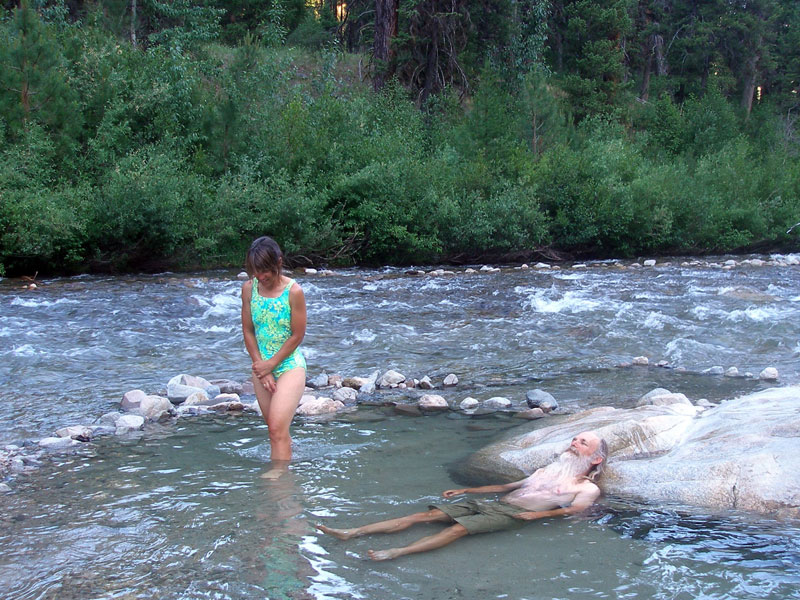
(482, 516)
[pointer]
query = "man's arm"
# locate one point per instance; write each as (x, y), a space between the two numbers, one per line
(484, 489)
(587, 496)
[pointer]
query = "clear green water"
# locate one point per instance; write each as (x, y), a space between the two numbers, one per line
(183, 513)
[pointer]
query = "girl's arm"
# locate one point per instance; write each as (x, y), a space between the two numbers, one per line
(248, 329)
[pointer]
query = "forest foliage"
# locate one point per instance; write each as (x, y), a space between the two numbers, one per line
(146, 134)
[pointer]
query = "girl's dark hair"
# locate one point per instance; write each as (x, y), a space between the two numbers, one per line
(264, 255)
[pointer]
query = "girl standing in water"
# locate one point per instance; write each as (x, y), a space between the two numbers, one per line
(274, 324)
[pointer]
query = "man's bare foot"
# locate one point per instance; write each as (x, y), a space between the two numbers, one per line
(342, 534)
(384, 554)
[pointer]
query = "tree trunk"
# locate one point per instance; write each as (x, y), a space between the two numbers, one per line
(749, 88)
(385, 30)
(133, 23)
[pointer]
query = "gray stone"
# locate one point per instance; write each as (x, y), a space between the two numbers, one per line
(732, 372)
(228, 406)
(345, 395)
(432, 402)
(649, 263)
(178, 393)
(369, 385)
(98, 430)
(497, 402)
(4, 488)
(641, 361)
(391, 378)
(228, 386)
(227, 398)
(450, 380)
(540, 399)
(319, 381)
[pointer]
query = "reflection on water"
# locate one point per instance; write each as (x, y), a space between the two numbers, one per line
(187, 515)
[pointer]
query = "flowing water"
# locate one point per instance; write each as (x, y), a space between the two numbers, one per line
(181, 511)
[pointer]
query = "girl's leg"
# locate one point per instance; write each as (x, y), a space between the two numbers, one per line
(263, 397)
(280, 411)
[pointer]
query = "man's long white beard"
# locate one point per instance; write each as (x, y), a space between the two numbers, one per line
(568, 466)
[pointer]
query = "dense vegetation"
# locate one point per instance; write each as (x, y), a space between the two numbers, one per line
(158, 133)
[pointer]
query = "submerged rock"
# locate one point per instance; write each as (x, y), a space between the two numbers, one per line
(497, 402)
(741, 454)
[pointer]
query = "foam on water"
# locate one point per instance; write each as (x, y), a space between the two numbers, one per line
(757, 315)
(30, 303)
(572, 302)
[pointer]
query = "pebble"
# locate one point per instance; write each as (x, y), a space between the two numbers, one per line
(469, 404)
(450, 380)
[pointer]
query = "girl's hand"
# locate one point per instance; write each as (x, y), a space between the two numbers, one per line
(262, 368)
(451, 493)
(268, 381)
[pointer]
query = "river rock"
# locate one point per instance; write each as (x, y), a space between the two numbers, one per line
(228, 386)
(469, 404)
(425, 383)
(497, 402)
(391, 378)
(345, 395)
(369, 385)
(151, 407)
(432, 402)
(128, 423)
(769, 374)
(177, 393)
(715, 370)
(227, 398)
(732, 372)
(4, 488)
(132, 399)
(335, 380)
(228, 406)
(740, 455)
(450, 380)
(407, 410)
(109, 419)
(76, 432)
(319, 406)
(57, 443)
(649, 263)
(192, 381)
(199, 398)
(530, 414)
(662, 397)
(354, 382)
(540, 399)
(319, 381)
(641, 361)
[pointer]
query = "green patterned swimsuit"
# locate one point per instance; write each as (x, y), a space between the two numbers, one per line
(272, 321)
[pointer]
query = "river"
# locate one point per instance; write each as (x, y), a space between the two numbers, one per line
(181, 511)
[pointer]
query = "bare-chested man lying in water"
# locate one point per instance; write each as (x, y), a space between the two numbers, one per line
(563, 487)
